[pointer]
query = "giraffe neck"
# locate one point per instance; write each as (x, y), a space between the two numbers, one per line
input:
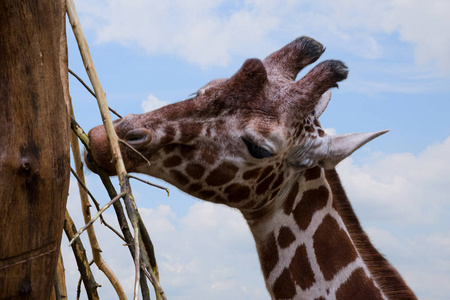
(307, 250)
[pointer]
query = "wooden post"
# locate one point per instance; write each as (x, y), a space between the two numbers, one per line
(34, 145)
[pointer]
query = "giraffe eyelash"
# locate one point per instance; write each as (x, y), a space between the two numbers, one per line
(256, 151)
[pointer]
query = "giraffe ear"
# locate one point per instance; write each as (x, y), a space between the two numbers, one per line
(322, 104)
(328, 151)
(342, 146)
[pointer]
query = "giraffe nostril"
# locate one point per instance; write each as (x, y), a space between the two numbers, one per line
(138, 137)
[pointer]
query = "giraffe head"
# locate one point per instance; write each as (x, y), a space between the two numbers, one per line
(239, 140)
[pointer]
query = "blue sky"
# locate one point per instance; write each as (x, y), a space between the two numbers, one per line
(149, 53)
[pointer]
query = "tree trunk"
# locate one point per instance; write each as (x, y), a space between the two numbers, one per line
(34, 145)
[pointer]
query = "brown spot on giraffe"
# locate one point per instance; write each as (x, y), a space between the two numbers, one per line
(313, 173)
(179, 177)
(250, 174)
(195, 187)
(237, 192)
(284, 286)
(264, 185)
(186, 152)
(269, 254)
(172, 161)
(195, 170)
(223, 174)
(358, 286)
(312, 201)
(321, 132)
(285, 237)
(333, 252)
(169, 149)
(300, 266)
(206, 194)
(265, 173)
(219, 199)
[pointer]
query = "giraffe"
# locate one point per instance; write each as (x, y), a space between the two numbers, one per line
(254, 142)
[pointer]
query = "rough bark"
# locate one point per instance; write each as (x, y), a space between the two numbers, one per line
(34, 151)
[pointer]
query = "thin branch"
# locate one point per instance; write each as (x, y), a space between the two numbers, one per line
(99, 93)
(130, 204)
(80, 256)
(79, 288)
(113, 230)
(97, 215)
(84, 186)
(153, 279)
(123, 225)
(152, 272)
(117, 205)
(85, 206)
(76, 128)
(90, 90)
(82, 82)
(136, 151)
(137, 265)
(97, 206)
(152, 184)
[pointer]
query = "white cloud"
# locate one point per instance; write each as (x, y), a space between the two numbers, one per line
(210, 32)
(208, 250)
(423, 259)
(401, 188)
(153, 103)
(426, 25)
(203, 32)
(208, 253)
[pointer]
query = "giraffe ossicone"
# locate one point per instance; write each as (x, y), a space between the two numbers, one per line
(254, 142)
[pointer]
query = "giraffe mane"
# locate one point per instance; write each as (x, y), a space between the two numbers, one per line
(387, 277)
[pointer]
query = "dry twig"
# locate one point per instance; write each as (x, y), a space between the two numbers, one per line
(152, 184)
(135, 151)
(85, 206)
(130, 205)
(80, 256)
(97, 205)
(117, 205)
(82, 229)
(90, 90)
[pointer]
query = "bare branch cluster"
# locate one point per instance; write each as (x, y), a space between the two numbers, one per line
(139, 243)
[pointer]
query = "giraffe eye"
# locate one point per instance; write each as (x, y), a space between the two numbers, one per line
(256, 151)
